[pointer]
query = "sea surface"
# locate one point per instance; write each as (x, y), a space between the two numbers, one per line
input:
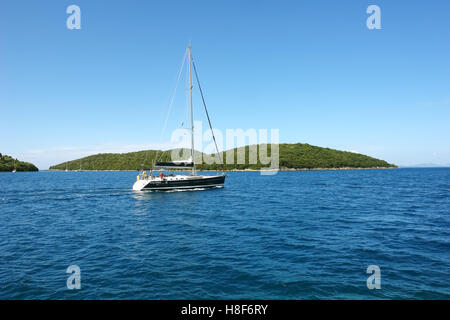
(293, 235)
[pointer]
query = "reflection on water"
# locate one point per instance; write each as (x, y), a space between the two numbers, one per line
(150, 195)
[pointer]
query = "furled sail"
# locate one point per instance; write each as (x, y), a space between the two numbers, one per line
(180, 164)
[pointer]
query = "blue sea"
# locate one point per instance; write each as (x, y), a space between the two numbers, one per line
(293, 235)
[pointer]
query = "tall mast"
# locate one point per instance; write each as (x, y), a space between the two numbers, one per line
(192, 116)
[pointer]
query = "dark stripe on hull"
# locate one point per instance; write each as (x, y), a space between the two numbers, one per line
(186, 184)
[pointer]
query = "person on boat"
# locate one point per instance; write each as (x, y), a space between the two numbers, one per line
(161, 175)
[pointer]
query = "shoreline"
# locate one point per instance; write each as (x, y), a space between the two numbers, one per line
(242, 170)
(301, 169)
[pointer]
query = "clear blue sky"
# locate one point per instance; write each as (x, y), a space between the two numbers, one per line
(312, 69)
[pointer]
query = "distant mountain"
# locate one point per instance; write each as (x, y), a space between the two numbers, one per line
(8, 163)
(427, 165)
(291, 156)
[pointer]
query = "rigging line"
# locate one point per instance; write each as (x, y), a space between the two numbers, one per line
(186, 115)
(207, 114)
(170, 105)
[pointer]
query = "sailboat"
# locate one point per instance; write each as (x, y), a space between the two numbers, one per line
(14, 170)
(170, 182)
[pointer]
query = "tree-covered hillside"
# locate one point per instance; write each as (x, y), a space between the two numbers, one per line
(291, 156)
(303, 156)
(116, 161)
(8, 163)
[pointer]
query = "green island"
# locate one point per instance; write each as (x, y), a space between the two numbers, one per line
(298, 156)
(8, 164)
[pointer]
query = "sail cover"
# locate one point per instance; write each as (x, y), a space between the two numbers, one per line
(175, 164)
